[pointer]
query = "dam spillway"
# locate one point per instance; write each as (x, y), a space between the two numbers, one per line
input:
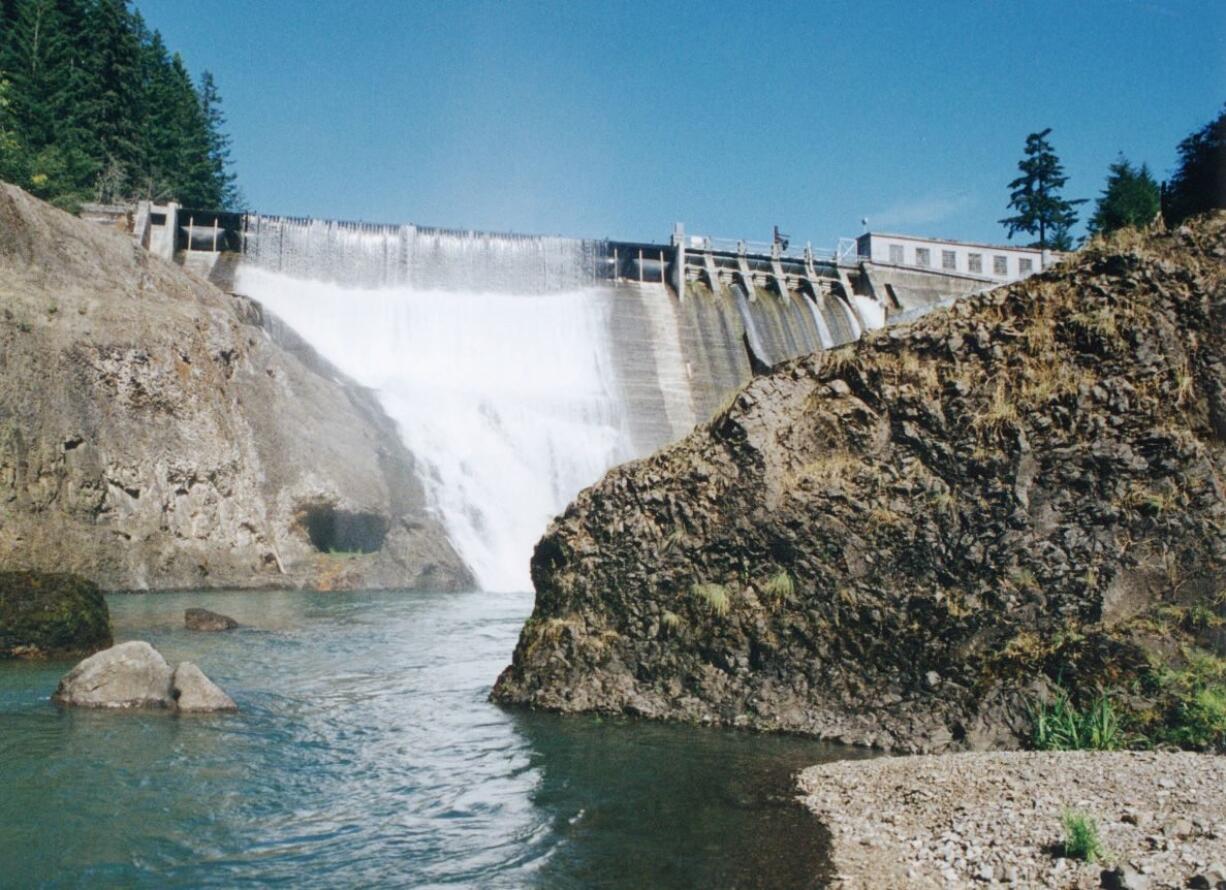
(519, 368)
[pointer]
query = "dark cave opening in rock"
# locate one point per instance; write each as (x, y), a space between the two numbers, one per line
(340, 531)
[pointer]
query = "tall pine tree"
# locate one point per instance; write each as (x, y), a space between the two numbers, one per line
(219, 144)
(115, 67)
(1035, 195)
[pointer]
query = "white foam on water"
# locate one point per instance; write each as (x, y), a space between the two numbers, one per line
(506, 401)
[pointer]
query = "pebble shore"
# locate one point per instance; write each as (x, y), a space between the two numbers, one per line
(995, 819)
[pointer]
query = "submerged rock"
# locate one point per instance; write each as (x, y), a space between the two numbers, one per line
(51, 616)
(135, 675)
(899, 542)
(202, 619)
(193, 692)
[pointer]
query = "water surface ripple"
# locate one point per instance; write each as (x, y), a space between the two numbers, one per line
(366, 754)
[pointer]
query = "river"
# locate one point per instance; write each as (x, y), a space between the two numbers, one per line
(366, 754)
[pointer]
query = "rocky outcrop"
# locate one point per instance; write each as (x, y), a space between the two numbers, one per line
(135, 675)
(51, 616)
(896, 543)
(158, 433)
(204, 620)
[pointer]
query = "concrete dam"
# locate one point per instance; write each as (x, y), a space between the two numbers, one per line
(520, 368)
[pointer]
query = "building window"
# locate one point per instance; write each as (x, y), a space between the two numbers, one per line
(949, 259)
(974, 262)
(896, 254)
(1025, 266)
(923, 256)
(1000, 265)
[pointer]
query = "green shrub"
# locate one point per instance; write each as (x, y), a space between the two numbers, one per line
(1081, 839)
(1195, 694)
(1201, 719)
(1058, 725)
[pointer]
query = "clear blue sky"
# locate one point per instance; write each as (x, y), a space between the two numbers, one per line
(618, 118)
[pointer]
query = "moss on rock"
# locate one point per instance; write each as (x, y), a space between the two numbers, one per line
(51, 615)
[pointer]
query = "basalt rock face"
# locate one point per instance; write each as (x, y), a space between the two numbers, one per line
(899, 542)
(51, 616)
(158, 433)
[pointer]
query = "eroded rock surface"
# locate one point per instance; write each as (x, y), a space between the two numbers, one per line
(51, 616)
(896, 543)
(158, 433)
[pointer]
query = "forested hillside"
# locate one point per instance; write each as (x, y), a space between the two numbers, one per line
(94, 107)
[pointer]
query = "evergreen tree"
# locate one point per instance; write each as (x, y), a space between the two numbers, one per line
(1199, 183)
(219, 144)
(36, 64)
(44, 144)
(114, 63)
(1035, 195)
(1130, 199)
(160, 135)
(93, 106)
(194, 184)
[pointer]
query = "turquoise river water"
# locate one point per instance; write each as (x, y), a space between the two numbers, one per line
(366, 754)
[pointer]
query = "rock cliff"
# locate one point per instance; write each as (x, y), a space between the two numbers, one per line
(157, 433)
(899, 542)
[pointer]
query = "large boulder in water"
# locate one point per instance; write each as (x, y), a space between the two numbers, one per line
(135, 675)
(130, 675)
(903, 541)
(51, 616)
(193, 692)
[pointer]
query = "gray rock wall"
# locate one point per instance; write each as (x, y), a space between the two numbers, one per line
(157, 433)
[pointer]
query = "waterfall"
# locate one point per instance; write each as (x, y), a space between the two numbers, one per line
(491, 354)
(374, 255)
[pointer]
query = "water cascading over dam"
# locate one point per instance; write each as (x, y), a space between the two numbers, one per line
(517, 368)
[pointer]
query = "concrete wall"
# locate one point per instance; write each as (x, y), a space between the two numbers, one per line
(877, 247)
(677, 359)
(902, 289)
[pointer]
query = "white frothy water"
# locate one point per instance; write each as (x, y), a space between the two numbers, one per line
(506, 401)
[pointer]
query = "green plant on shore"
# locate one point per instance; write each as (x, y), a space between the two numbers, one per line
(1057, 725)
(715, 596)
(1081, 839)
(1201, 719)
(1197, 716)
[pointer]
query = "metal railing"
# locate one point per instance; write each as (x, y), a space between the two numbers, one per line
(846, 253)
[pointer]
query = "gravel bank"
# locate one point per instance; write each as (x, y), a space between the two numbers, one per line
(995, 818)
